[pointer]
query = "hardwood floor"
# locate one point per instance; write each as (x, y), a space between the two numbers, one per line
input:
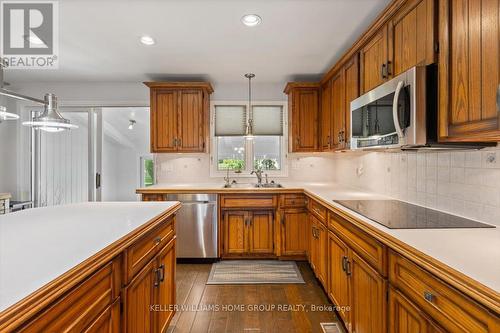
(197, 297)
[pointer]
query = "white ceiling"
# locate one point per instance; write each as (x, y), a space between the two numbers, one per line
(202, 39)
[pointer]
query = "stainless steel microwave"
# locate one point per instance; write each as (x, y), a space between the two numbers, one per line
(402, 113)
(394, 114)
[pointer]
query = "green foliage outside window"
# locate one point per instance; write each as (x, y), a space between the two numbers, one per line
(231, 164)
(148, 172)
(265, 164)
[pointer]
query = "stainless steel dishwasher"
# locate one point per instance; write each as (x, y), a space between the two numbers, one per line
(196, 225)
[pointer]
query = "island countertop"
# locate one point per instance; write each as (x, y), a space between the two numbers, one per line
(39, 245)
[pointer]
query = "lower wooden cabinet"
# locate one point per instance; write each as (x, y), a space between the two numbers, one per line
(150, 296)
(318, 244)
(247, 233)
(293, 230)
(338, 280)
(405, 317)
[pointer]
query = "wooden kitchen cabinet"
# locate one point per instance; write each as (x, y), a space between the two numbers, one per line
(293, 232)
(368, 296)
(326, 117)
(338, 280)
(338, 110)
(373, 61)
(248, 233)
(319, 254)
(412, 36)
(406, 317)
(469, 70)
(303, 110)
(179, 116)
(150, 296)
(351, 80)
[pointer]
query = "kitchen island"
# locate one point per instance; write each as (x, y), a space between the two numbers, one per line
(76, 265)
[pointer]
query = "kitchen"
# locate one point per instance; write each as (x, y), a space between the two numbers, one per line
(266, 166)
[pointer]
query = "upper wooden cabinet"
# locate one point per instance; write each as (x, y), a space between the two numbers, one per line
(406, 40)
(179, 116)
(411, 36)
(337, 95)
(303, 110)
(373, 61)
(469, 71)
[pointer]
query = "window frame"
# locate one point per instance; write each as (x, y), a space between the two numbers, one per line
(249, 153)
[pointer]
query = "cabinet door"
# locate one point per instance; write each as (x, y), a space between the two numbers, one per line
(405, 317)
(165, 292)
(313, 244)
(373, 61)
(139, 295)
(191, 121)
(322, 255)
(411, 36)
(305, 120)
(338, 111)
(235, 232)
(261, 235)
(326, 116)
(368, 296)
(469, 71)
(338, 286)
(351, 93)
(108, 321)
(294, 231)
(163, 120)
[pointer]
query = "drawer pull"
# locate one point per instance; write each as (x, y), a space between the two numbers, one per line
(162, 272)
(348, 267)
(429, 296)
(344, 263)
(157, 241)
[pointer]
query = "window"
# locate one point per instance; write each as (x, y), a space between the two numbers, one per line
(147, 171)
(233, 151)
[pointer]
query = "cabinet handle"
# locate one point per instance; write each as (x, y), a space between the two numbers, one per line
(388, 69)
(175, 142)
(383, 71)
(429, 296)
(157, 241)
(179, 142)
(348, 267)
(157, 277)
(297, 141)
(344, 263)
(161, 270)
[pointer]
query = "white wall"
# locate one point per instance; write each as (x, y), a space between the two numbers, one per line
(462, 183)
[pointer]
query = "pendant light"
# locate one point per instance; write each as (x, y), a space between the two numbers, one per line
(249, 126)
(50, 120)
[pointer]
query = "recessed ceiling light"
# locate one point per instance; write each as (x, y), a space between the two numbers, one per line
(147, 40)
(251, 20)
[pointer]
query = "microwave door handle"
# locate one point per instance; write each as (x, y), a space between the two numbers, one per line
(395, 115)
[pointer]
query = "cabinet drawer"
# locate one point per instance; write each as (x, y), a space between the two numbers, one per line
(318, 210)
(139, 254)
(454, 311)
(154, 197)
(293, 200)
(246, 201)
(77, 310)
(367, 247)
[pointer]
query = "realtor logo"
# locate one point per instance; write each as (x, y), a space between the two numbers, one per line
(29, 34)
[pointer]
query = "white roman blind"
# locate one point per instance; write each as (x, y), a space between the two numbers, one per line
(230, 120)
(267, 119)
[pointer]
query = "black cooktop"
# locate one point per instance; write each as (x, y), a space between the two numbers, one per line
(395, 214)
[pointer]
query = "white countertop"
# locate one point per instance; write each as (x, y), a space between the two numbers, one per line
(472, 252)
(38, 245)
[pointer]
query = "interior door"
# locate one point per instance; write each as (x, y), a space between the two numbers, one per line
(63, 164)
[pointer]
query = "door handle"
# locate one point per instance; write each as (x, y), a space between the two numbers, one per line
(395, 115)
(97, 180)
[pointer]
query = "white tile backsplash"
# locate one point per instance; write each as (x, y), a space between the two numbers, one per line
(463, 183)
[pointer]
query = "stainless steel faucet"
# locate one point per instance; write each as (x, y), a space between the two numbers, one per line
(257, 173)
(227, 177)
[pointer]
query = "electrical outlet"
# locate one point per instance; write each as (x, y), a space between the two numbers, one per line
(491, 159)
